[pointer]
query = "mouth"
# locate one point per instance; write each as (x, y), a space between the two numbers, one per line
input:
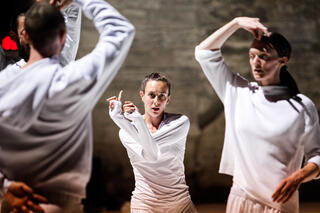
(155, 109)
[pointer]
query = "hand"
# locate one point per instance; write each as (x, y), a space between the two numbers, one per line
(58, 3)
(252, 25)
(114, 98)
(22, 198)
(129, 107)
(287, 187)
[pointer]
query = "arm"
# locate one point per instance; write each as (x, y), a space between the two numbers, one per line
(138, 130)
(95, 71)
(217, 39)
(212, 62)
(310, 141)
(72, 17)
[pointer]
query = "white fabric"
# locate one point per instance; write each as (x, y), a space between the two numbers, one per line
(45, 111)
(240, 202)
(267, 132)
(157, 160)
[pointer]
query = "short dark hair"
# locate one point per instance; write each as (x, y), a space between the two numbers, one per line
(43, 24)
(155, 77)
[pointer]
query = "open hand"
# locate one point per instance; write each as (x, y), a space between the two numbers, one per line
(287, 188)
(23, 199)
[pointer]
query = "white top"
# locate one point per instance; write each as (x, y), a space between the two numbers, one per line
(45, 111)
(156, 158)
(267, 132)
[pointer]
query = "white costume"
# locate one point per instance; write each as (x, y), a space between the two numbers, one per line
(45, 112)
(267, 132)
(157, 161)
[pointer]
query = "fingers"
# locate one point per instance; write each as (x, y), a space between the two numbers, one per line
(120, 95)
(28, 190)
(284, 192)
(113, 98)
(34, 207)
(39, 198)
(129, 107)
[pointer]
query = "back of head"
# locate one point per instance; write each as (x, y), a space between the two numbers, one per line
(44, 23)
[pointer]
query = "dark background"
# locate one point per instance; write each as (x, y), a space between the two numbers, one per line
(167, 32)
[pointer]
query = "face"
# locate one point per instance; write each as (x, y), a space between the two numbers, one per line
(265, 65)
(155, 98)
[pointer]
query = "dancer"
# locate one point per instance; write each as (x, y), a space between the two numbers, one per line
(72, 18)
(155, 143)
(45, 111)
(270, 126)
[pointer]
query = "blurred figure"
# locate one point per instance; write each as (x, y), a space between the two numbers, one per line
(45, 110)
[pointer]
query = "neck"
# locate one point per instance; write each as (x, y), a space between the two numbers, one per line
(34, 57)
(153, 122)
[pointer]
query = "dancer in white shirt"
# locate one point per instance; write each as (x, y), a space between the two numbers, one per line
(270, 126)
(45, 110)
(155, 143)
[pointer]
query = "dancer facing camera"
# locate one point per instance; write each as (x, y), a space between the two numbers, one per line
(270, 125)
(45, 110)
(155, 143)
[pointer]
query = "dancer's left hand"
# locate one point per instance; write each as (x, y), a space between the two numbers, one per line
(287, 187)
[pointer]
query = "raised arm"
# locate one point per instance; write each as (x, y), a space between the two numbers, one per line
(137, 129)
(72, 17)
(217, 39)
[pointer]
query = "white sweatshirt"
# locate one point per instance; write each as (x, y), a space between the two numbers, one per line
(45, 111)
(267, 132)
(157, 160)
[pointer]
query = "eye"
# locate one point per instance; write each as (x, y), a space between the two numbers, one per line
(152, 95)
(251, 56)
(263, 57)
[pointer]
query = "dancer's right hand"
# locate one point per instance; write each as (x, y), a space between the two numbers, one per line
(114, 98)
(23, 199)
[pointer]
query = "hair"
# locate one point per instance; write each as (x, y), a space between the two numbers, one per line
(282, 46)
(44, 23)
(155, 77)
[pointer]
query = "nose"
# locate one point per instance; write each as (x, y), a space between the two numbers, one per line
(256, 60)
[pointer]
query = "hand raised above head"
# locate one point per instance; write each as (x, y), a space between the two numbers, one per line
(252, 25)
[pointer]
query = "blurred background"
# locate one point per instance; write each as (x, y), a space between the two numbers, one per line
(167, 32)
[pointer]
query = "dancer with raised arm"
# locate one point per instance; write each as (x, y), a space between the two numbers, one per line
(270, 125)
(155, 143)
(45, 110)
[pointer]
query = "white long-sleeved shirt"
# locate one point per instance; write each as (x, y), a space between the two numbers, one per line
(156, 158)
(267, 131)
(72, 18)
(45, 111)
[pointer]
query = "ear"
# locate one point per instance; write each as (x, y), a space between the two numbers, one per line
(168, 100)
(26, 37)
(283, 60)
(141, 94)
(63, 36)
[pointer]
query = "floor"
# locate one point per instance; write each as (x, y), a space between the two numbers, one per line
(220, 208)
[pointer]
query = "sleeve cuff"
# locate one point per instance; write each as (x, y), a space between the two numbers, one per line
(6, 184)
(315, 160)
(201, 55)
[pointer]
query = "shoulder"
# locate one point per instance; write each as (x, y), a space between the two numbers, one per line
(309, 109)
(173, 118)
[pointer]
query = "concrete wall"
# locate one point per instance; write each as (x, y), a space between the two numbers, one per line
(167, 32)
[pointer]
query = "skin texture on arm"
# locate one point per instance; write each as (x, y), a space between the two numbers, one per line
(217, 39)
(291, 184)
